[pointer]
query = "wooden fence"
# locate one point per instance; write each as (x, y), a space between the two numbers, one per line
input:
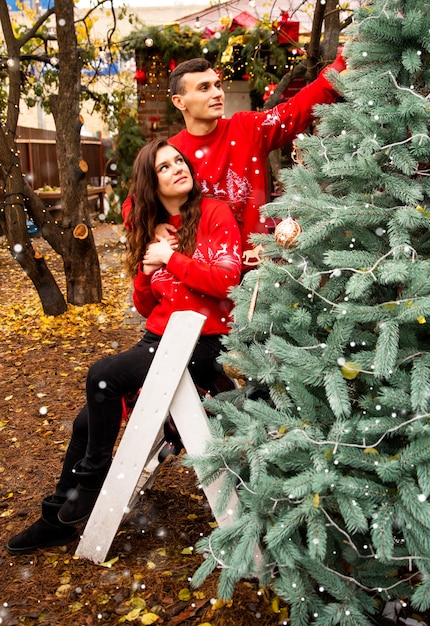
(39, 158)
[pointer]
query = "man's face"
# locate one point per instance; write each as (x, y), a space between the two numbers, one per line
(203, 97)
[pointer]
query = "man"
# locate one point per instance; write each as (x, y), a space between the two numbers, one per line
(229, 155)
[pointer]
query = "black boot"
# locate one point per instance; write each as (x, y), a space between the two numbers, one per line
(81, 501)
(46, 532)
(173, 443)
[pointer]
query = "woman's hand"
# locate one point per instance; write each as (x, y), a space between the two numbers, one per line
(149, 269)
(157, 254)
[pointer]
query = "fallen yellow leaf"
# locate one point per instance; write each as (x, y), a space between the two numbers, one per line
(200, 595)
(63, 591)
(149, 618)
(109, 563)
(132, 615)
(283, 615)
(218, 604)
(65, 578)
(103, 598)
(184, 594)
(138, 603)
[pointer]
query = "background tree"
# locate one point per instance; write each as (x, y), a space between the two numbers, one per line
(328, 440)
(13, 188)
(61, 91)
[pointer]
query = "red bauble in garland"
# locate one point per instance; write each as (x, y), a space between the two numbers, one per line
(140, 76)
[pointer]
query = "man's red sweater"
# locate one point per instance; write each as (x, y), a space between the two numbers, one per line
(230, 162)
(199, 283)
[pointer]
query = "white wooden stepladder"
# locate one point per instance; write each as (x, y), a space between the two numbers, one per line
(168, 388)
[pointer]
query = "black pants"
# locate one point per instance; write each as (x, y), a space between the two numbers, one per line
(96, 426)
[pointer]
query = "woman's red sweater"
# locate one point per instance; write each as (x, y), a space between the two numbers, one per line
(199, 283)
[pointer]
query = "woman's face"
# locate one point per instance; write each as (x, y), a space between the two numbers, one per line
(174, 176)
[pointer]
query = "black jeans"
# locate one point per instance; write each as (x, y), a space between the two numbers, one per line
(97, 425)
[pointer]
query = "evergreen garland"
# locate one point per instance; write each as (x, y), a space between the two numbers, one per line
(169, 42)
(252, 53)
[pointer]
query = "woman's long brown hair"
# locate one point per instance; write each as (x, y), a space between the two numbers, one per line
(147, 211)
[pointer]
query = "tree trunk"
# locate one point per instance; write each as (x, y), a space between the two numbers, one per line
(332, 29)
(315, 40)
(20, 245)
(318, 53)
(81, 263)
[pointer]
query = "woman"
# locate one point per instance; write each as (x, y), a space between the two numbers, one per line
(193, 270)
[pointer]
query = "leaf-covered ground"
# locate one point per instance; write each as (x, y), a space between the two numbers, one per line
(43, 366)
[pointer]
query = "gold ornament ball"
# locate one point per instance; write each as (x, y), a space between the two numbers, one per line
(231, 370)
(286, 232)
(350, 370)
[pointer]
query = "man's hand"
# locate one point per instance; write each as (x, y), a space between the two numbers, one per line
(157, 254)
(167, 231)
(339, 64)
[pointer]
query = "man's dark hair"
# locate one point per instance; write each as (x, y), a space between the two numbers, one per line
(186, 67)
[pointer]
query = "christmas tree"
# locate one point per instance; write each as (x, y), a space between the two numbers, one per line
(328, 441)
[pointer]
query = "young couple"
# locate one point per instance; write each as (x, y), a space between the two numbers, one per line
(191, 265)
